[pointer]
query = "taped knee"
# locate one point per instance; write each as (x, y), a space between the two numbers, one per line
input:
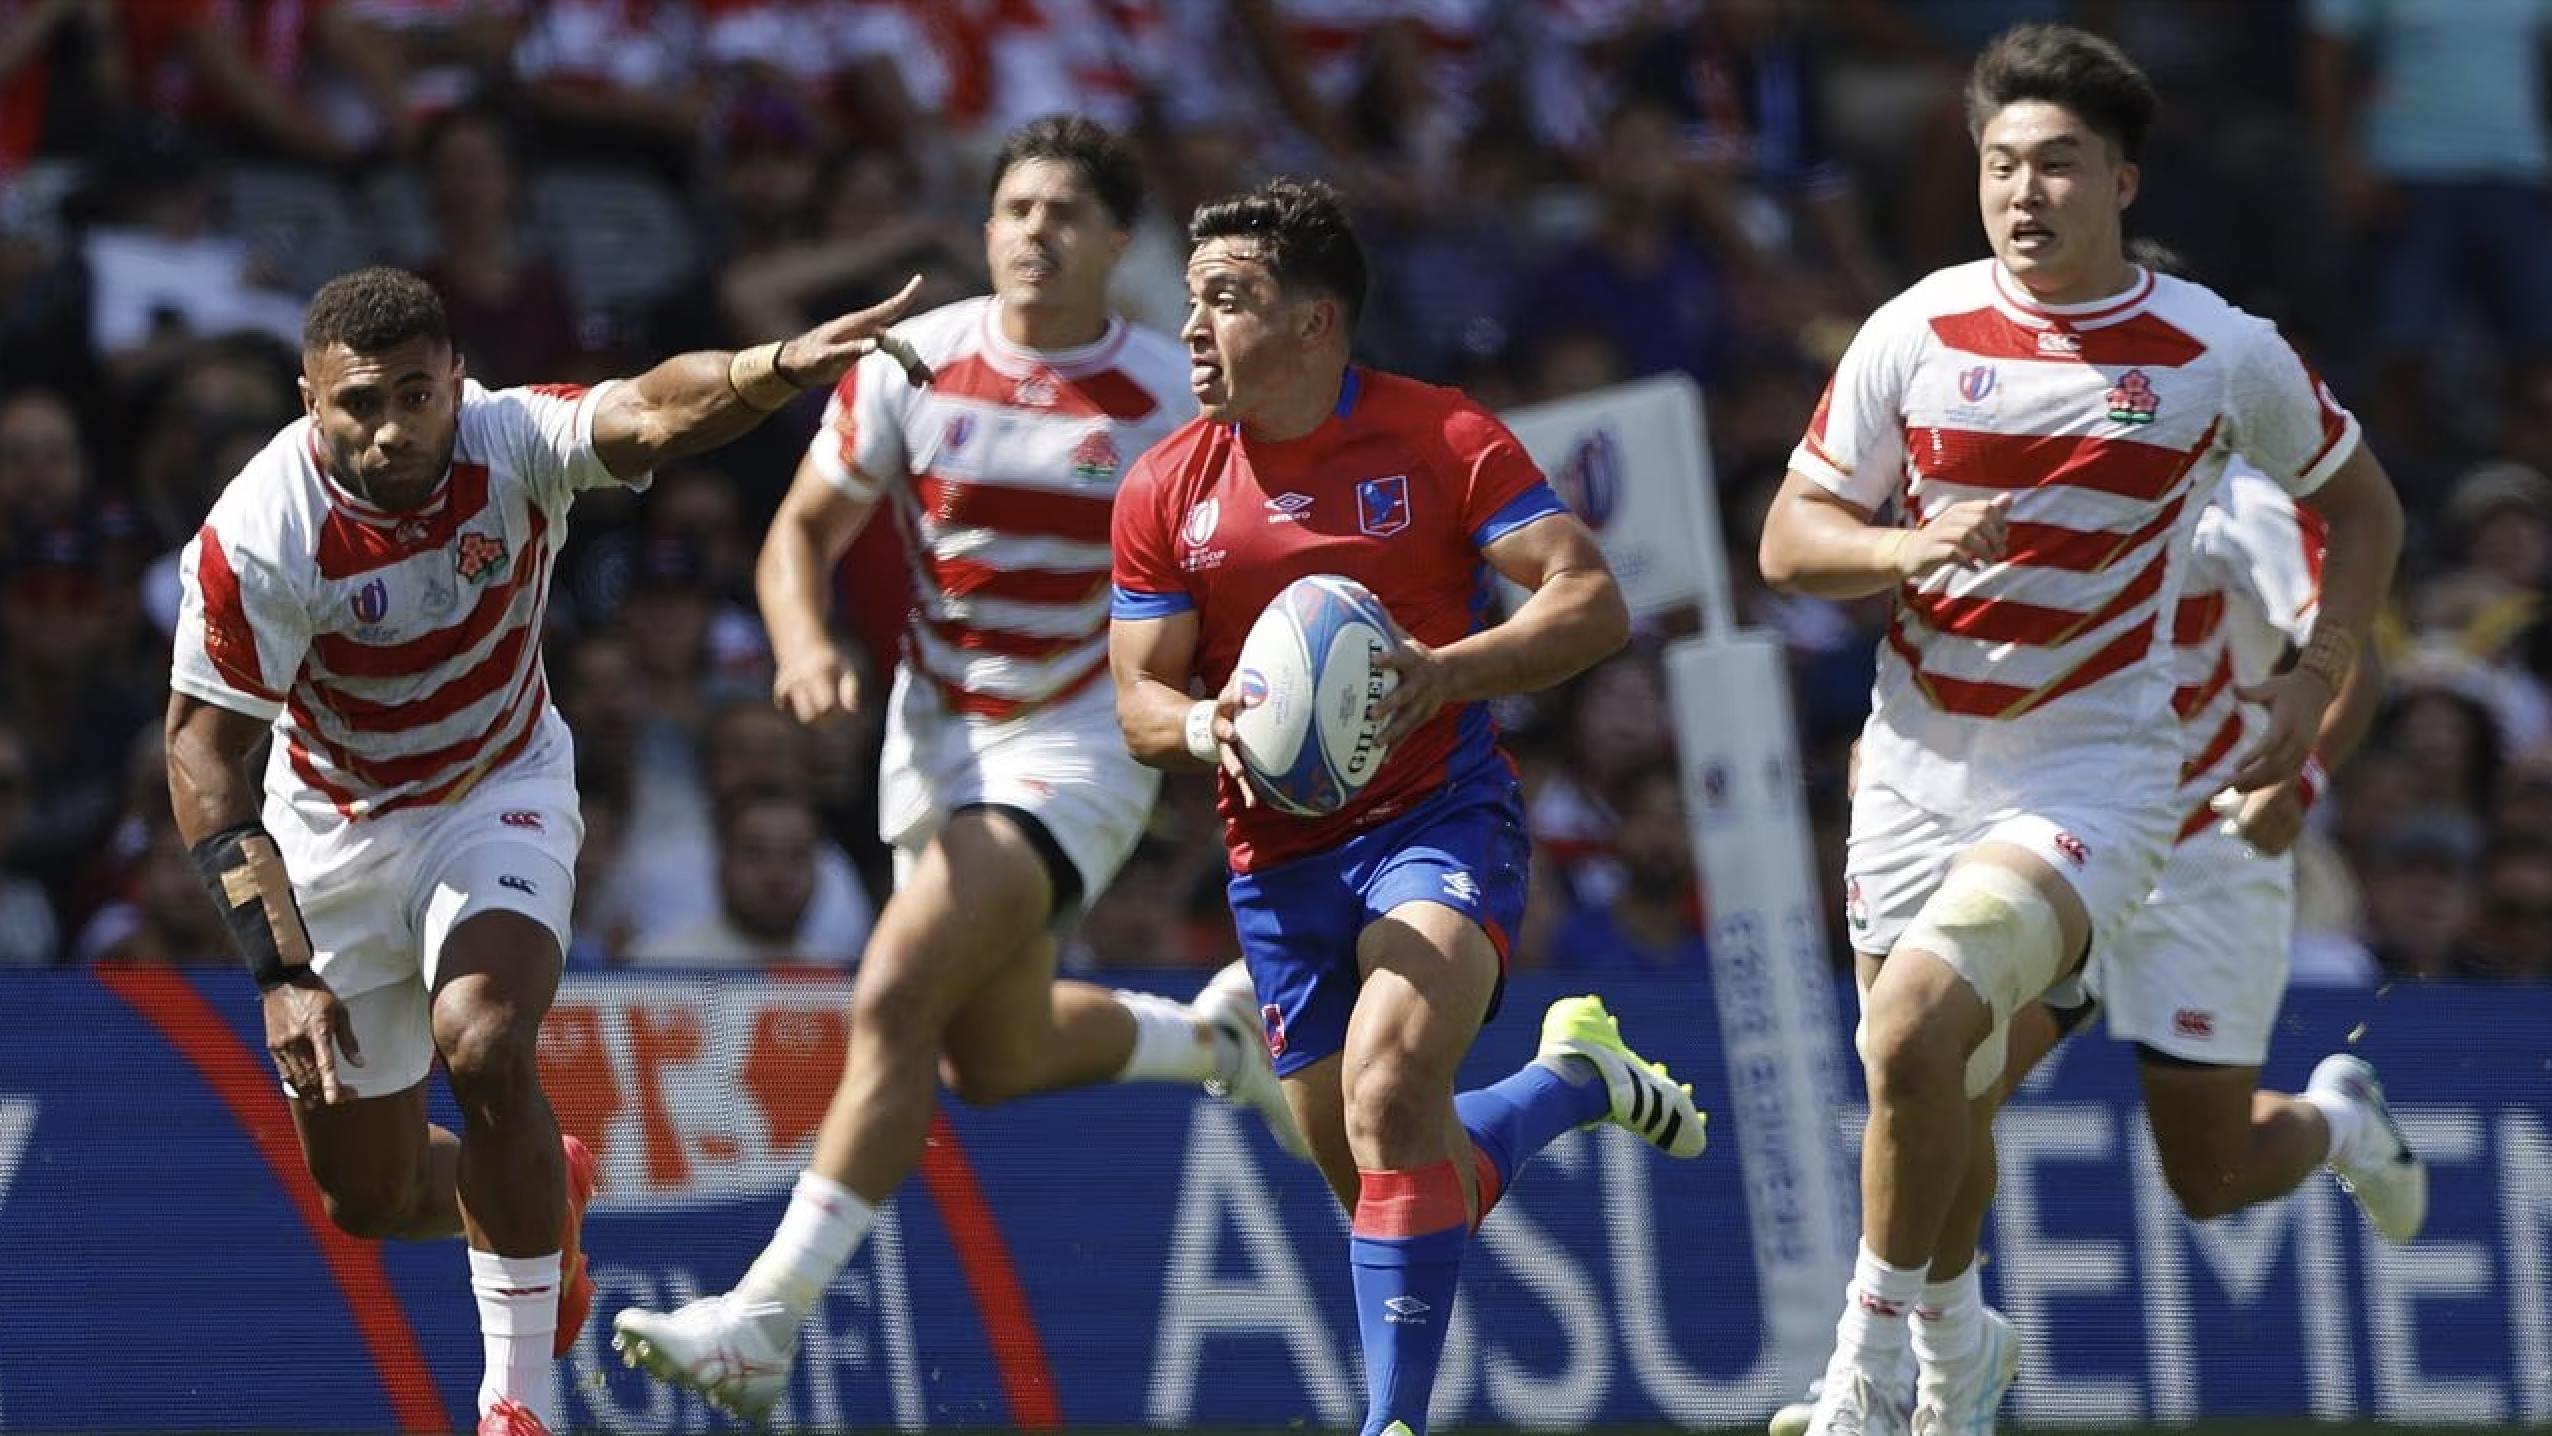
(1998, 931)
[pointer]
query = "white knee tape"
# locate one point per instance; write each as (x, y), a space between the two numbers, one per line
(1996, 930)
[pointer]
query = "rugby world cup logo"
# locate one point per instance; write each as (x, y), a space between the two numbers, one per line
(1253, 688)
(1198, 529)
(372, 603)
(1976, 383)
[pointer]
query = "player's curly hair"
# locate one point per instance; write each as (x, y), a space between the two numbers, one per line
(1105, 160)
(1303, 233)
(369, 310)
(2073, 69)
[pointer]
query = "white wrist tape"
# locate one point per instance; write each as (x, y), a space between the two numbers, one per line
(1201, 742)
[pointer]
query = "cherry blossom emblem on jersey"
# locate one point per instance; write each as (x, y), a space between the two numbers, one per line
(1094, 459)
(477, 557)
(2133, 400)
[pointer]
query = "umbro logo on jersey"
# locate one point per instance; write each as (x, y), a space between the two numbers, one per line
(1406, 1310)
(1461, 887)
(1289, 508)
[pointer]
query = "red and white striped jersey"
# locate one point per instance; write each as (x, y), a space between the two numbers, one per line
(398, 654)
(1001, 473)
(2108, 425)
(2255, 585)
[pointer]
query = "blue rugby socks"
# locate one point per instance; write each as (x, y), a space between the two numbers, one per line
(1405, 1253)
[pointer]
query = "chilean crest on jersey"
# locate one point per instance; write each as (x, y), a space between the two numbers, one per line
(1382, 505)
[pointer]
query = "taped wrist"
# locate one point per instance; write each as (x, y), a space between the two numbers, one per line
(755, 376)
(2328, 656)
(243, 871)
(1202, 745)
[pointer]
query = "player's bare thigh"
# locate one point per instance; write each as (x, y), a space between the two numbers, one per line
(1428, 974)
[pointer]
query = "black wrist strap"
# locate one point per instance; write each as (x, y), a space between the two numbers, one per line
(243, 872)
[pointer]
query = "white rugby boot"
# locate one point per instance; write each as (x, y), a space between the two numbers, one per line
(2384, 1175)
(1230, 1002)
(720, 1346)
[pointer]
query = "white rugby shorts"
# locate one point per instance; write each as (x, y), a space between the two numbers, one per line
(382, 895)
(2198, 970)
(1898, 854)
(1065, 764)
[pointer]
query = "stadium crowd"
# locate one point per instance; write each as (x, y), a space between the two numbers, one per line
(1560, 194)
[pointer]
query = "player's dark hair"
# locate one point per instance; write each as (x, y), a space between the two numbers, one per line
(2069, 68)
(370, 310)
(1303, 233)
(1105, 160)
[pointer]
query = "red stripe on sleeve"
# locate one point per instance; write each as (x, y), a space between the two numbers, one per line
(229, 640)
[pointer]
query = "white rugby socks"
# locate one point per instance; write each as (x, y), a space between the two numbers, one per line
(518, 1314)
(825, 1224)
(1171, 1043)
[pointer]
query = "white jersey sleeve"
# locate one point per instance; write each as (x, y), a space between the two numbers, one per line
(2280, 416)
(1855, 444)
(243, 623)
(2267, 553)
(545, 434)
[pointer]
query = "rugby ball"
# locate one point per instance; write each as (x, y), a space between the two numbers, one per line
(1306, 732)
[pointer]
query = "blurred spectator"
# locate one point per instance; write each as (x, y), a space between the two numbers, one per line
(2422, 894)
(222, 404)
(616, 81)
(44, 471)
(29, 933)
(1746, 84)
(511, 317)
(1615, 722)
(163, 270)
(766, 914)
(162, 919)
(2437, 721)
(387, 68)
(1138, 920)
(695, 646)
(1448, 264)
(2521, 802)
(1653, 923)
(2513, 937)
(666, 880)
(56, 61)
(2432, 122)
(58, 681)
(230, 74)
(2498, 519)
(1638, 276)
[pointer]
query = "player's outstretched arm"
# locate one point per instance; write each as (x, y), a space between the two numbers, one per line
(213, 792)
(694, 402)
